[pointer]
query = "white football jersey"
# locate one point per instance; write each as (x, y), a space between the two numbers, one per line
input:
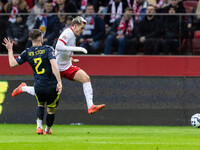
(64, 58)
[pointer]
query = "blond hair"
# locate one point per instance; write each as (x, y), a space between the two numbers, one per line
(78, 20)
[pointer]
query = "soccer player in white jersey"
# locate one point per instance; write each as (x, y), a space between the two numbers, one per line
(65, 47)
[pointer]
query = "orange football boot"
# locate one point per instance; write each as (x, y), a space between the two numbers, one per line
(39, 130)
(18, 90)
(50, 132)
(95, 108)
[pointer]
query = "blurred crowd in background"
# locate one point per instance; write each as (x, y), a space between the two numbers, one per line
(114, 27)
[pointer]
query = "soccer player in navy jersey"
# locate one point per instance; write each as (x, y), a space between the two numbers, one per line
(48, 85)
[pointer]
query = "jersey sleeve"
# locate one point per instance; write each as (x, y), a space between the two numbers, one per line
(51, 53)
(22, 58)
(64, 37)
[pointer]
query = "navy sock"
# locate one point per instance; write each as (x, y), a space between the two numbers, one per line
(50, 119)
(40, 112)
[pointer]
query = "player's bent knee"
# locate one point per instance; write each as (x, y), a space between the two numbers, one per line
(51, 110)
(86, 79)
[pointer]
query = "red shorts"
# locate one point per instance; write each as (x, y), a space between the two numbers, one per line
(70, 72)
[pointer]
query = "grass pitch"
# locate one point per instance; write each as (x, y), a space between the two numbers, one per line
(88, 137)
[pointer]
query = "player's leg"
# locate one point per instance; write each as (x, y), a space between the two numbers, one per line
(81, 76)
(52, 102)
(23, 88)
(49, 120)
(76, 74)
(29, 89)
(40, 116)
(40, 96)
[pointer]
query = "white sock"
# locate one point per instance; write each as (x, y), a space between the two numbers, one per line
(87, 89)
(47, 129)
(29, 89)
(39, 123)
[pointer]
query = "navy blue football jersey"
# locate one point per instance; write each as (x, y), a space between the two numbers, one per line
(39, 59)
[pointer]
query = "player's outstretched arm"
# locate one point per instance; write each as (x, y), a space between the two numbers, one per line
(62, 47)
(9, 45)
(57, 75)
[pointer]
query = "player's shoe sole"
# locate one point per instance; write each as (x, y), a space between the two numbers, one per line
(50, 132)
(95, 108)
(39, 130)
(18, 90)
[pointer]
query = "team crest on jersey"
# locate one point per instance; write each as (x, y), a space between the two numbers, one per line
(64, 37)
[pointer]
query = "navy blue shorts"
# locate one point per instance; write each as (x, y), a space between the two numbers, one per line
(48, 95)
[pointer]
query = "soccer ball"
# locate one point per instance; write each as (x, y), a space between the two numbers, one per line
(195, 120)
